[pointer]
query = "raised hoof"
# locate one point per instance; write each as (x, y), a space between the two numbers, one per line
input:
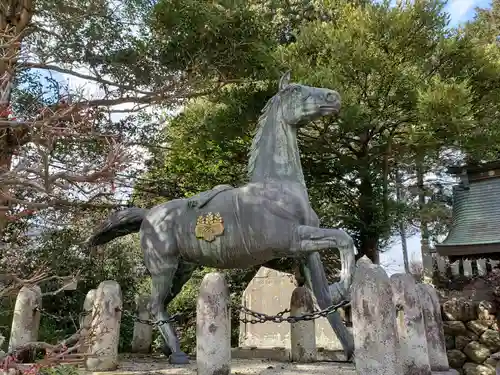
(179, 358)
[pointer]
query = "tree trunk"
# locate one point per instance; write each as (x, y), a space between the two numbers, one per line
(369, 247)
(401, 224)
(368, 235)
(404, 245)
(14, 20)
(427, 263)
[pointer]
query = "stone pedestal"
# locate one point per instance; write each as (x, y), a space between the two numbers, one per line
(26, 318)
(433, 321)
(413, 353)
(302, 333)
(104, 333)
(86, 321)
(374, 321)
(213, 327)
(143, 333)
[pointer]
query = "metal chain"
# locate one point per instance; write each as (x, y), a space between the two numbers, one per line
(280, 317)
(257, 316)
(59, 318)
(150, 322)
(154, 323)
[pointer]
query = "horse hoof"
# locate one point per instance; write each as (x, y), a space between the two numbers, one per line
(179, 358)
(166, 350)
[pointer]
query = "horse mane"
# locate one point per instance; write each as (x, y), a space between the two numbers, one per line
(261, 122)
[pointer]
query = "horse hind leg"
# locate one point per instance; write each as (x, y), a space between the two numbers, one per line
(182, 275)
(162, 260)
(161, 285)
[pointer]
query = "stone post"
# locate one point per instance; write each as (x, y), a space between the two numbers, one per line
(433, 321)
(26, 318)
(86, 321)
(374, 321)
(143, 333)
(413, 353)
(104, 332)
(302, 333)
(213, 326)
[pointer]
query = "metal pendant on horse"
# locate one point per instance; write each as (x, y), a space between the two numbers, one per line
(209, 227)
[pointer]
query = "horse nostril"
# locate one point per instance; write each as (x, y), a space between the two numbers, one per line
(330, 97)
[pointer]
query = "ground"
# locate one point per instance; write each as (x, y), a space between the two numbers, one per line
(158, 365)
(154, 365)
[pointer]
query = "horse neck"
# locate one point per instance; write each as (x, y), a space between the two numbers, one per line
(275, 152)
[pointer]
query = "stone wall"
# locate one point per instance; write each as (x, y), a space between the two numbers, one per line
(472, 335)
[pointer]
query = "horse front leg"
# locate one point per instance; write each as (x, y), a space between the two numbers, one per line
(309, 241)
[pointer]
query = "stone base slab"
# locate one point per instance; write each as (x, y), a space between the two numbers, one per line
(323, 355)
(283, 354)
(158, 365)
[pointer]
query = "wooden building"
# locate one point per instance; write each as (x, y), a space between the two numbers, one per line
(475, 229)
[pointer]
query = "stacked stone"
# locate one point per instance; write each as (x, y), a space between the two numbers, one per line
(472, 336)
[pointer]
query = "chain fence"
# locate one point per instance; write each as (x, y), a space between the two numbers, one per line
(246, 315)
(280, 317)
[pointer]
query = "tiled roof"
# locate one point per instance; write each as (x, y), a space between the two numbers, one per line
(476, 214)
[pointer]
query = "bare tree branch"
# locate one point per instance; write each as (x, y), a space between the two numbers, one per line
(11, 283)
(55, 68)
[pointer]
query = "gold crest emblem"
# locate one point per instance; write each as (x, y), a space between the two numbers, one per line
(209, 226)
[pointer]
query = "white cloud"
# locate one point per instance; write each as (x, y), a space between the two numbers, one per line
(459, 9)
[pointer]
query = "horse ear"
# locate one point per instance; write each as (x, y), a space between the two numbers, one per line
(285, 80)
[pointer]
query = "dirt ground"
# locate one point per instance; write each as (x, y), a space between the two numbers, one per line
(150, 365)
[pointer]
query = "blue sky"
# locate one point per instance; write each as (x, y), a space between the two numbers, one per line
(464, 10)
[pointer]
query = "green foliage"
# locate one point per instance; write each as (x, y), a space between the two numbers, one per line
(203, 37)
(412, 89)
(111, 39)
(120, 261)
(218, 152)
(59, 370)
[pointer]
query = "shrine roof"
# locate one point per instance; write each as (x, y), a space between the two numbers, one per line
(476, 213)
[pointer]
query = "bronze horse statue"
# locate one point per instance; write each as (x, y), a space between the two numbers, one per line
(228, 227)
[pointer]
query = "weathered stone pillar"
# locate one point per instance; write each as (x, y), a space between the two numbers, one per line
(433, 321)
(302, 333)
(26, 319)
(374, 321)
(213, 326)
(143, 333)
(86, 321)
(104, 332)
(413, 353)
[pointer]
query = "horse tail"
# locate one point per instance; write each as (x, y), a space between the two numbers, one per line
(119, 224)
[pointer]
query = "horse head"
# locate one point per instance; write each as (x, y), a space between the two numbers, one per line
(301, 104)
